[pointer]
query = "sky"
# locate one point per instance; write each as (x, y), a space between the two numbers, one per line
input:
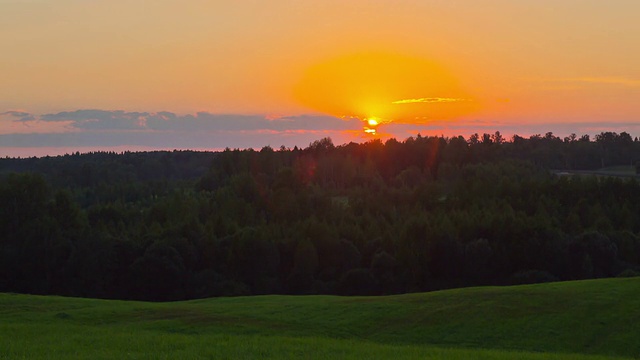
(87, 75)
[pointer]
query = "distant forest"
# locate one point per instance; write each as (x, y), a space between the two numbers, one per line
(390, 217)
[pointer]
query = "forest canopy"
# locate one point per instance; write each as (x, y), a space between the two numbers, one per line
(388, 217)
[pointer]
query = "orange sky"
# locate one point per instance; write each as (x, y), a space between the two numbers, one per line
(501, 61)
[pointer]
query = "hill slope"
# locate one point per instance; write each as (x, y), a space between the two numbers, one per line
(598, 317)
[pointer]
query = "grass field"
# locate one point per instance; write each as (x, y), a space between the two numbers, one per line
(594, 319)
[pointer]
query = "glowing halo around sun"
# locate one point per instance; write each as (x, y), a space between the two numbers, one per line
(382, 87)
(371, 125)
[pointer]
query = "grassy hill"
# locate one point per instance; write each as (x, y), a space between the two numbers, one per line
(570, 320)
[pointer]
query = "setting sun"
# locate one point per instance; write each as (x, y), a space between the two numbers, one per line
(96, 75)
(370, 126)
(397, 88)
(332, 158)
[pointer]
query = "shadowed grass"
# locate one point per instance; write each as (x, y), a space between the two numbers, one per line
(567, 320)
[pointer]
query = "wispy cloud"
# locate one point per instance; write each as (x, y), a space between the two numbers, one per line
(429, 100)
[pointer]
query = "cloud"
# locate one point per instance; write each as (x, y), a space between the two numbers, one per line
(104, 129)
(92, 130)
(201, 121)
(22, 115)
(100, 119)
(428, 100)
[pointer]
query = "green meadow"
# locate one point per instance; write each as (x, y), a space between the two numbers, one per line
(594, 319)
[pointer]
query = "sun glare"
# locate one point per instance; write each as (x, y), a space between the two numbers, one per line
(394, 87)
(370, 126)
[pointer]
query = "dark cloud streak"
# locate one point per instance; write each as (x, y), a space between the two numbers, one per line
(167, 130)
(201, 121)
(23, 116)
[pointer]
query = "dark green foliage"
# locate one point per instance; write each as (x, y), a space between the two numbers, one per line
(384, 269)
(305, 265)
(254, 260)
(358, 282)
(159, 274)
(532, 277)
(375, 218)
(629, 273)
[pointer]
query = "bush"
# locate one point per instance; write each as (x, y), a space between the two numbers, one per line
(532, 277)
(628, 273)
(358, 282)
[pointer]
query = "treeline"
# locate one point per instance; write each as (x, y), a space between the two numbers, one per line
(375, 218)
(106, 168)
